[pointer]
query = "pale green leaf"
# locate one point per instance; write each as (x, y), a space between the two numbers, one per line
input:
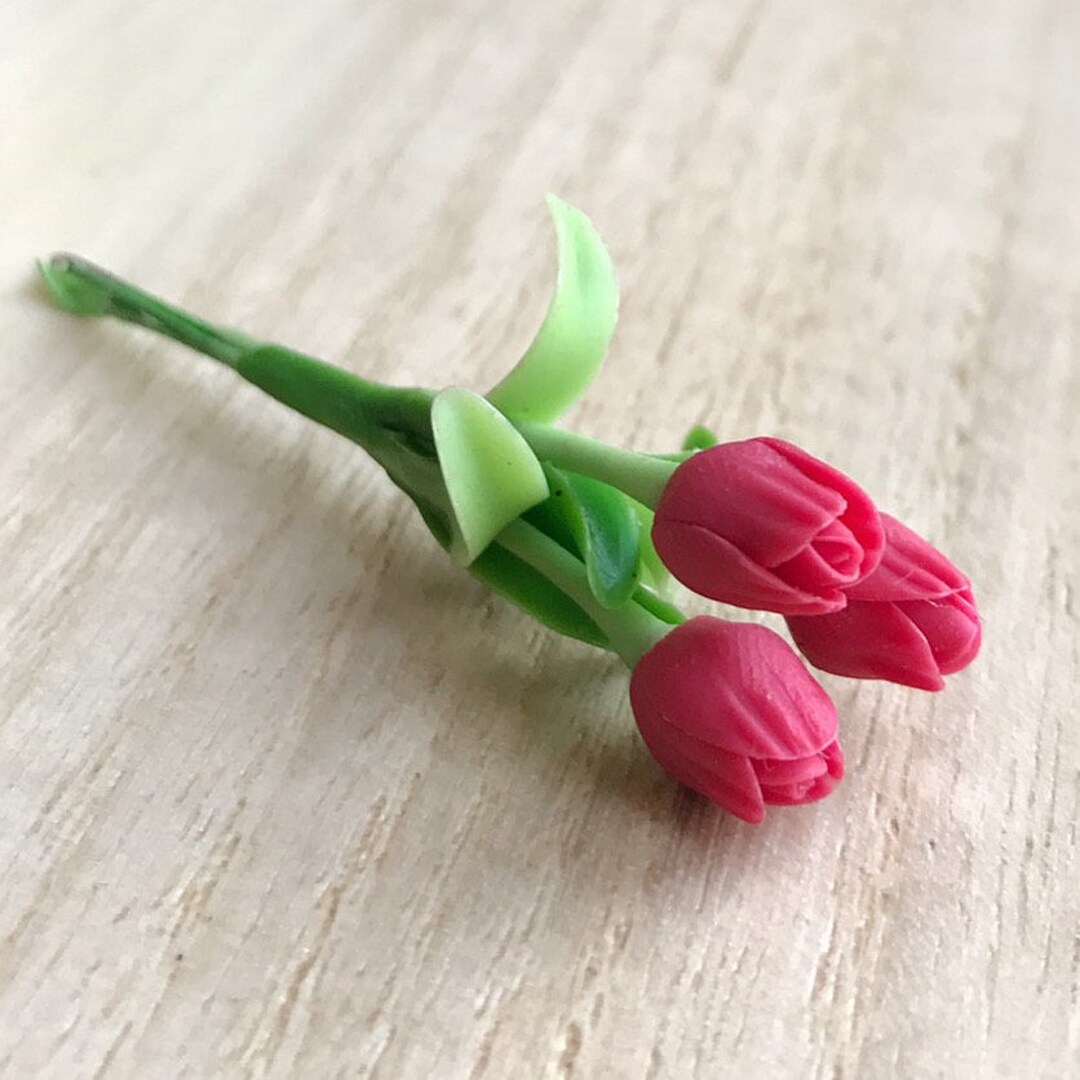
(491, 474)
(569, 348)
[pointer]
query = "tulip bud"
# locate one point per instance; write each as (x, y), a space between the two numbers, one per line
(911, 621)
(762, 524)
(729, 710)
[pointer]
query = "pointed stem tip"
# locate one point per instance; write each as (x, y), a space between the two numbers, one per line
(80, 287)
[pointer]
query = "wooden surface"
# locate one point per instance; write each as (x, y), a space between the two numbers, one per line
(283, 793)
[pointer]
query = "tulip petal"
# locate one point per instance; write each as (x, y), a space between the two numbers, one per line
(738, 687)
(837, 545)
(801, 791)
(868, 641)
(799, 794)
(728, 781)
(750, 495)
(951, 628)
(910, 569)
(860, 514)
(772, 773)
(781, 713)
(812, 571)
(725, 779)
(834, 759)
(714, 567)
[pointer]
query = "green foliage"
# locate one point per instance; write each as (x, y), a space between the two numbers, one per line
(651, 567)
(530, 590)
(570, 346)
(491, 474)
(605, 531)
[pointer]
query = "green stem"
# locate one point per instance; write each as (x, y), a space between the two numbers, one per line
(631, 629)
(392, 424)
(377, 417)
(358, 408)
(641, 476)
(85, 289)
(365, 411)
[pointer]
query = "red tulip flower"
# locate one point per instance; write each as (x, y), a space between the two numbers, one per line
(911, 621)
(729, 710)
(762, 524)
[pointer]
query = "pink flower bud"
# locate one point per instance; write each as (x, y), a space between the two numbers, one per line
(729, 710)
(911, 621)
(762, 524)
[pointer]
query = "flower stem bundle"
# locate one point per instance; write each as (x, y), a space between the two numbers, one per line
(587, 537)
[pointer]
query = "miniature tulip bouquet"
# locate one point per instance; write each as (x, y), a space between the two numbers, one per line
(586, 537)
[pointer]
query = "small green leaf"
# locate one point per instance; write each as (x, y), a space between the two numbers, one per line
(569, 348)
(651, 566)
(530, 590)
(605, 530)
(491, 474)
(699, 438)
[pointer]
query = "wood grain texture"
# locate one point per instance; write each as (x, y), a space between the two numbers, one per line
(284, 794)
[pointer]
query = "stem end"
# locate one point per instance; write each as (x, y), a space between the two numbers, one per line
(69, 289)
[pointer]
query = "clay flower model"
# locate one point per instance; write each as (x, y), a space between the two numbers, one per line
(585, 536)
(912, 620)
(762, 524)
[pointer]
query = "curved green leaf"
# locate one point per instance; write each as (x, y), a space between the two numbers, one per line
(569, 348)
(530, 590)
(491, 474)
(605, 529)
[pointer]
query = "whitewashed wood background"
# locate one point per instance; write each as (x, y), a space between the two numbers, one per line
(282, 793)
